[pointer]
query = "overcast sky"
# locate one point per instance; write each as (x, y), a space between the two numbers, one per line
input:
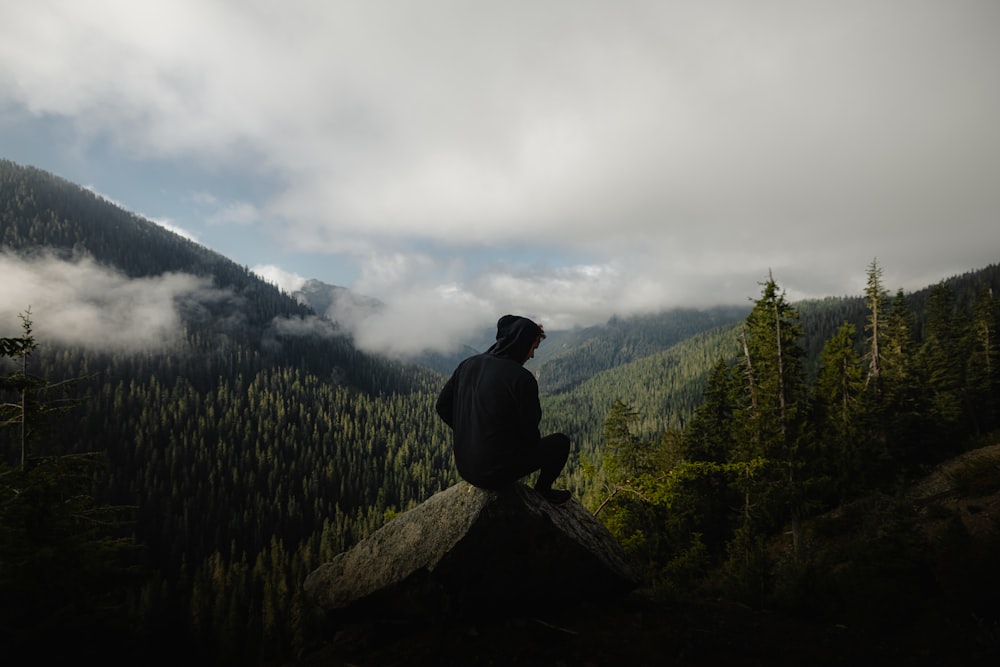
(566, 160)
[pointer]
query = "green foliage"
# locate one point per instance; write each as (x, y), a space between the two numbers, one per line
(977, 476)
(27, 401)
(682, 574)
(771, 416)
(876, 297)
(667, 388)
(570, 359)
(657, 503)
(67, 567)
(766, 450)
(745, 574)
(942, 358)
(838, 417)
(982, 376)
(866, 566)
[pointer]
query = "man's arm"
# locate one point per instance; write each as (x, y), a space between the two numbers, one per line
(529, 408)
(446, 401)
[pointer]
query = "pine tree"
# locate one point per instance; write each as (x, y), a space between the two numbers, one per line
(983, 369)
(709, 433)
(875, 298)
(942, 362)
(838, 410)
(66, 563)
(770, 422)
(710, 461)
(897, 420)
(18, 390)
(627, 460)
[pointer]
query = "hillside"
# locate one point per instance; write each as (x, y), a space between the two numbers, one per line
(48, 220)
(570, 358)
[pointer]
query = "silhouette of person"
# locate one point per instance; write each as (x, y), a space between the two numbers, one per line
(491, 404)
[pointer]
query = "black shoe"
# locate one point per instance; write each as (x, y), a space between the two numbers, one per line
(555, 496)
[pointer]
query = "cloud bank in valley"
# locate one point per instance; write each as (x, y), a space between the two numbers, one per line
(79, 302)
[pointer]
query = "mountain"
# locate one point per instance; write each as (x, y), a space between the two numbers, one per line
(572, 357)
(349, 309)
(567, 358)
(337, 303)
(50, 221)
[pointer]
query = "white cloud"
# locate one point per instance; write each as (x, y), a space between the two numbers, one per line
(421, 321)
(305, 326)
(284, 280)
(79, 302)
(171, 227)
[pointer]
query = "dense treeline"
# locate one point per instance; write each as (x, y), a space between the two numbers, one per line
(240, 486)
(664, 388)
(571, 358)
(721, 505)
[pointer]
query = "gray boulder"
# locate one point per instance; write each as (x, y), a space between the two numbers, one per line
(466, 549)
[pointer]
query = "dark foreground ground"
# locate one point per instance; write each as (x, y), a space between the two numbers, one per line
(638, 632)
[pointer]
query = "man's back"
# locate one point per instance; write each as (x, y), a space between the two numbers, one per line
(492, 404)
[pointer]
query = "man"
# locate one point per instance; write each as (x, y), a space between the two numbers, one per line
(491, 404)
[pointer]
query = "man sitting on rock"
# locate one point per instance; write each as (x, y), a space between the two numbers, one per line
(491, 403)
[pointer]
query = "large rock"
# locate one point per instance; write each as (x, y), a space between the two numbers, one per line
(467, 549)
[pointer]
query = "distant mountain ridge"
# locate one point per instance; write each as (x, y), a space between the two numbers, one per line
(570, 358)
(347, 308)
(336, 302)
(567, 357)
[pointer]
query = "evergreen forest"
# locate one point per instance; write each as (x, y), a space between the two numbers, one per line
(169, 500)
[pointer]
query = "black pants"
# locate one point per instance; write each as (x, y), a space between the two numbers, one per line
(549, 458)
(552, 459)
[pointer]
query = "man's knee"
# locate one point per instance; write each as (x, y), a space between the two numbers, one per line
(556, 447)
(560, 440)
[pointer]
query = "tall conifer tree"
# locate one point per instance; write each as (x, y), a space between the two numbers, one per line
(942, 357)
(983, 370)
(770, 426)
(875, 298)
(837, 407)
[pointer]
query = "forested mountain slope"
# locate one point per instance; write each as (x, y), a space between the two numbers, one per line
(42, 213)
(664, 388)
(571, 357)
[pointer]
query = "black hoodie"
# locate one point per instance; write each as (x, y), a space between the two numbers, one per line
(491, 403)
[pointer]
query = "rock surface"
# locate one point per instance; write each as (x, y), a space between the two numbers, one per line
(470, 550)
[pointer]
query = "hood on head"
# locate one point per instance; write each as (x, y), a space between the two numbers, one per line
(515, 336)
